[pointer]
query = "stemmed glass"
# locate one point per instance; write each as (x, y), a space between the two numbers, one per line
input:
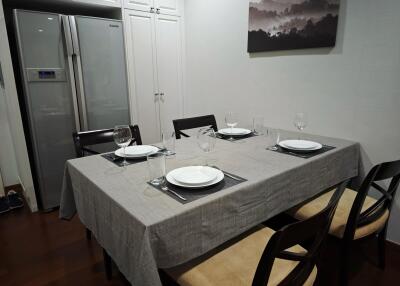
(300, 121)
(231, 121)
(206, 139)
(122, 136)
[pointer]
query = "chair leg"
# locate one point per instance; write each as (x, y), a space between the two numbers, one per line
(381, 247)
(344, 276)
(107, 264)
(88, 234)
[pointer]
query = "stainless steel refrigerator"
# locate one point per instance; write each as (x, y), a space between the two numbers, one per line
(74, 78)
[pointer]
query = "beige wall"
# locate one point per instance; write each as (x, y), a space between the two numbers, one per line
(351, 91)
(14, 116)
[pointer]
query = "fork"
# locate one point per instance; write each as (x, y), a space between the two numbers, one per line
(165, 188)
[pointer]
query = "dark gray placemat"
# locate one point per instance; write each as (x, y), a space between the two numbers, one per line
(192, 195)
(118, 160)
(237, 138)
(325, 148)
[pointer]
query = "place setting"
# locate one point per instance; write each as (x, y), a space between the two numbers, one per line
(128, 155)
(296, 147)
(189, 183)
(233, 133)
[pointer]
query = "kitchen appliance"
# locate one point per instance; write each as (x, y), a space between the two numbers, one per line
(74, 78)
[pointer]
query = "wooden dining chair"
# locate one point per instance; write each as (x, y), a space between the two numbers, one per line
(263, 257)
(193, 122)
(86, 139)
(359, 216)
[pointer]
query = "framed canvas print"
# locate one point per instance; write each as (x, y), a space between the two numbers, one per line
(292, 24)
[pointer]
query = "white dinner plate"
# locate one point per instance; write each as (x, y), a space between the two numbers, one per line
(300, 145)
(194, 175)
(219, 176)
(137, 151)
(234, 131)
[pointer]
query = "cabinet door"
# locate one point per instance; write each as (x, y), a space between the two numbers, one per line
(169, 67)
(142, 73)
(168, 7)
(111, 3)
(141, 5)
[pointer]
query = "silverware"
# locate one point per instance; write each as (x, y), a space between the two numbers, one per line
(165, 151)
(228, 175)
(165, 188)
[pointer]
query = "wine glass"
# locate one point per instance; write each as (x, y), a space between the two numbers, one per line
(300, 121)
(231, 121)
(122, 136)
(206, 139)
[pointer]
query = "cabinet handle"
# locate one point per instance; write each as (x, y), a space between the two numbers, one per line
(162, 94)
(152, 10)
(158, 10)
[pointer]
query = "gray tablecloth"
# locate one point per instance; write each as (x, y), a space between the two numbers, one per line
(143, 229)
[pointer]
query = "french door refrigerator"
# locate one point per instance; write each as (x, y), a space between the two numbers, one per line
(74, 78)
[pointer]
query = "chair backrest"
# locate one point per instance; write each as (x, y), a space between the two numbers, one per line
(193, 122)
(314, 229)
(385, 171)
(83, 140)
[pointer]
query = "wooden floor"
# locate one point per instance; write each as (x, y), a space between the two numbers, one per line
(40, 249)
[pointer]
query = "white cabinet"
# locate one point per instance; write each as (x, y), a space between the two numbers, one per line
(141, 5)
(169, 67)
(163, 7)
(155, 71)
(111, 3)
(168, 7)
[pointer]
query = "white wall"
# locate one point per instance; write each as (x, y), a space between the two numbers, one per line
(14, 116)
(351, 91)
(8, 165)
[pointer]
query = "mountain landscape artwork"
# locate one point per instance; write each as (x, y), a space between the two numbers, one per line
(292, 24)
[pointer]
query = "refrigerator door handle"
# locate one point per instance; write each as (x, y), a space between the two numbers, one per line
(66, 30)
(78, 73)
(67, 35)
(74, 35)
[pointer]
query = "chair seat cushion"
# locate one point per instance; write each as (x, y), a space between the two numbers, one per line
(342, 213)
(236, 264)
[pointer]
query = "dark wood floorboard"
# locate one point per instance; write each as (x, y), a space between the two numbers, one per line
(40, 249)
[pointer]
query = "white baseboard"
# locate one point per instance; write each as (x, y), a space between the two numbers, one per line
(394, 242)
(2, 194)
(28, 195)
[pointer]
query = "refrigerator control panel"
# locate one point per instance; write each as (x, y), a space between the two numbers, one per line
(45, 75)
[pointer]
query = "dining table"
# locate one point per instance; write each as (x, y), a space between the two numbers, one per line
(144, 229)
